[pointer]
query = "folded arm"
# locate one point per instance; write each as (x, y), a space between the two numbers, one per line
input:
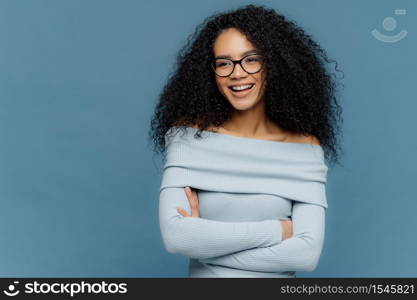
(301, 252)
(201, 238)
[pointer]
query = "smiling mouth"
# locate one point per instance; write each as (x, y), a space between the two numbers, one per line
(243, 92)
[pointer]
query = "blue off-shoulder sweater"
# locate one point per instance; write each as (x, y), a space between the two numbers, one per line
(245, 186)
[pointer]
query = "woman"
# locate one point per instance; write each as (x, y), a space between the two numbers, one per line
(248, 200)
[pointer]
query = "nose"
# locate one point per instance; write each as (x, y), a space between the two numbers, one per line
(238, 71)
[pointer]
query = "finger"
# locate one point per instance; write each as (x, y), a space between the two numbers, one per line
(188, 192)
(183, 212)
(195, 209)
(194, 206)
(193, 200)
(180, 211)
(195, 196)
(189, 195)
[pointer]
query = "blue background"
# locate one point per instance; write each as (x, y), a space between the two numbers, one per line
(79, 184)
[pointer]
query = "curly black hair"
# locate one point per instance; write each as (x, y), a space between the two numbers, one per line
(300, 94)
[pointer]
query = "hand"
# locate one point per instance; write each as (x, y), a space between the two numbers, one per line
(193, 199)
(286, 229)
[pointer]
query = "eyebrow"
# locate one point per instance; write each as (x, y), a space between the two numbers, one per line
(243, 54)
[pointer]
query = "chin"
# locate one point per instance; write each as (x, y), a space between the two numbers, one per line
(242, 103)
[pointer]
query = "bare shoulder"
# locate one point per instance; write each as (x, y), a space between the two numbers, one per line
(306, 139)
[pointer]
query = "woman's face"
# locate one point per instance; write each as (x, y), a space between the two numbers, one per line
(232, 44)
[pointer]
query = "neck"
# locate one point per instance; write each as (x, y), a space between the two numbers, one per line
(252, 122)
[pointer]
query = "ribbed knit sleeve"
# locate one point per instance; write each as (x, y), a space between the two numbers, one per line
(301, 252)
(201, 238)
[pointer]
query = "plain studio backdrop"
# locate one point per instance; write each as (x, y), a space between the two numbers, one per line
(79, 184)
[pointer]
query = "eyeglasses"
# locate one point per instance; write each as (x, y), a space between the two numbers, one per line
(251, 64)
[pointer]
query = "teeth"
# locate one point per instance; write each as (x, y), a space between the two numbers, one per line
(241, 87)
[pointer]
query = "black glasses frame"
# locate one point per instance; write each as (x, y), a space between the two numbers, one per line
(239, 61)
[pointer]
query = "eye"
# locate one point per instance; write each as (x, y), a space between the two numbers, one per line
(251, 59)
(222, 63)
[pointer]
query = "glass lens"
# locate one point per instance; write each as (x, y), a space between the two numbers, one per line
(252, 63)
(223, 67)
